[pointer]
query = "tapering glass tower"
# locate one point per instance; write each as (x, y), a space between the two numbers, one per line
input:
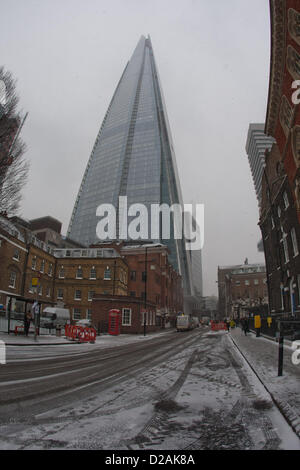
(133, 156)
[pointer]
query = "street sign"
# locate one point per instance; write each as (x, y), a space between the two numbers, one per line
(34, 281)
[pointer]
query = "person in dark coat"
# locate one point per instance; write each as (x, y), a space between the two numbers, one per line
(245, 325)
(27, 321)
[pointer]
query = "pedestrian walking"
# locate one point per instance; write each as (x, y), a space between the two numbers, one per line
(227, 325)
(27, 320)
(245, 326)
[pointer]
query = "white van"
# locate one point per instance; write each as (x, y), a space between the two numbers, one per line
(51, 317)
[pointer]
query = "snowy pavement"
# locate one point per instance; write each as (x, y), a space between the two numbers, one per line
(205, 396)
(262, 355)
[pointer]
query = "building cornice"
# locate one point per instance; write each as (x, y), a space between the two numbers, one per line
(277, 63)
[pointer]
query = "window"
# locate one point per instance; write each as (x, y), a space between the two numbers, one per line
(144, 276)
(89, 313)
(33, 263)
(93, 274)
(60, 293)
(16, 255)
(256, 282)
(294, 24)
(50, 270)
(272, 222)
(247, 283)
(76, 314)
(294, 242)
(77, 295)
(278, 212)
(79, 273)
(61, 273)
(285, 200)
(107, 273)
(237, 283)
(133, 275)
(126, 316)
(48, 292)
(285, 248)
(40, 289)
(42, 268)
(285, 115)
(91, 294)
(12, 280)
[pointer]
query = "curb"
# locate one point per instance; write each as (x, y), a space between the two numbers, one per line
(285, 409)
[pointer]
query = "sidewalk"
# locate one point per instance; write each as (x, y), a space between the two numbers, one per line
(42, 340)
(105, 340)
(262, 355)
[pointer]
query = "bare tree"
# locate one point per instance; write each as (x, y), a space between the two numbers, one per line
(13, 166)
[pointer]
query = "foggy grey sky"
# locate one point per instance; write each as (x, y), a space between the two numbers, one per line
(213, 58)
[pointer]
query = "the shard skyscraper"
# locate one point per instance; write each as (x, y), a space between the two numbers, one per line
(133, 156)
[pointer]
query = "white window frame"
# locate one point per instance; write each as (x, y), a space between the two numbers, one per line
(90, 297)
(61, 273)
(76, 308)
(124, 312)
(75, 296)
(42, 268)
(16, 252)
(79, 269)
(50, 269)
(285, 200)
(12, 280)
(294, 242)
(105, 271)
(60, 296)
(93, 271)
(33, 263)
(285, 248)
(88, 315)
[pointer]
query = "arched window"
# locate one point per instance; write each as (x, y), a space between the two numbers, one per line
(293, 62)
(93, 273)
(285, 115)
(79, 273)
(107, 273)
(294, 24)
(296, 144)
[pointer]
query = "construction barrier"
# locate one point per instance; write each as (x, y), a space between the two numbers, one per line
(80, 333)
(218, 326)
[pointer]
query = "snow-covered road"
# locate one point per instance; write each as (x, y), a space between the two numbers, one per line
(202, 396)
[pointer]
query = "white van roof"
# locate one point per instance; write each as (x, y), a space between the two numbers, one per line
(60, 312)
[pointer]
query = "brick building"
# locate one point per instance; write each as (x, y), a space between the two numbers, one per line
(80, 274)
(241, 287)
(68, 277)
(138, 278)
(151, 276)
(137, 315)
(283, 115)
(280, 211)
(281, 232)
(155, 293)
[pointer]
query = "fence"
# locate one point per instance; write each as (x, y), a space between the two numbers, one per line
(14, 323)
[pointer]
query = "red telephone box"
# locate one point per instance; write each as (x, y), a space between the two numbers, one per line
(114, 322)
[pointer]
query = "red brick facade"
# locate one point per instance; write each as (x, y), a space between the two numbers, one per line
(132, 314)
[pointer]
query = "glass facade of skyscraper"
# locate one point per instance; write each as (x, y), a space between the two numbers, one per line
(133, 156)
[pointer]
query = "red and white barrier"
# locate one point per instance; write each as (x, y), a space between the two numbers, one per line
(80, 333)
